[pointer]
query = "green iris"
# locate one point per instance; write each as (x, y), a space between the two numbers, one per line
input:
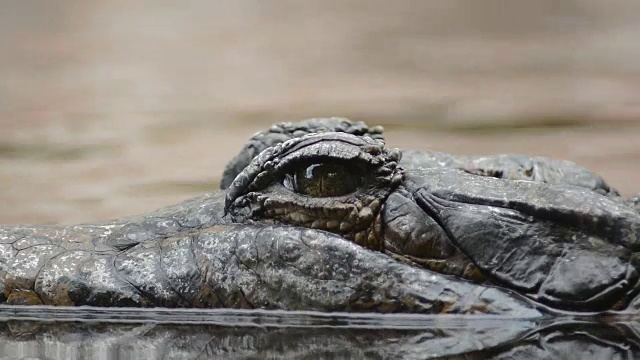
(323, 180)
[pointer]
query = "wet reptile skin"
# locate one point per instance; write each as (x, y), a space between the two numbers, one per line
(523, 230)
(187, 255)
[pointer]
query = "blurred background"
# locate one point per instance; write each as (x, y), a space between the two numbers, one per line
(110, 108)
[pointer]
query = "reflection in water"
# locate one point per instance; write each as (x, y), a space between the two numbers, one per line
(46, 332)
(571, 340)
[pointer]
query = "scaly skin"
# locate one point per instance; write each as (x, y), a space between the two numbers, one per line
(187, 255)
(565, 239)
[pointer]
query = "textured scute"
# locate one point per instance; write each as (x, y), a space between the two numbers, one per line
(26, 264)
(181, 271)
(110, 264)
(98, 283)
(293, 268)
(410, 231)
(563, 245)
(54, 280)
(512, 167)
(589, 276)
(141, 267)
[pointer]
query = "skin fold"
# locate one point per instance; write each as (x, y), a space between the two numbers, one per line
(321, 215)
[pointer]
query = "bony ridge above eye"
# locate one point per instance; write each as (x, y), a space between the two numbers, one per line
(275, 161)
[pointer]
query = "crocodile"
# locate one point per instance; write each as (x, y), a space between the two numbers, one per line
(321, 215)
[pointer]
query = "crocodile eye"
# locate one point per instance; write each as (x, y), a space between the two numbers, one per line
(324, 180)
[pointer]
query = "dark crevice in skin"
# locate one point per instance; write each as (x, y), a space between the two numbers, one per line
(192, 240)
(221, 299)
(245, 266)
(38, 296)
(303, 241)
(32, 246)
(15, 240)
(244, 297)
(204, 275)
(75, 275)
(482, 277)
(125, 247)
(498, 174)
(255, 248)
(42, 267)
(144, 295)
(76, 278)
(82, 295)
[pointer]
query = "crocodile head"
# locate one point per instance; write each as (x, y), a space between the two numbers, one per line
(554, 239)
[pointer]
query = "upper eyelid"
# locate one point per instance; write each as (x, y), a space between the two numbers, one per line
(279, 159)
(291, 166)
(323, 150)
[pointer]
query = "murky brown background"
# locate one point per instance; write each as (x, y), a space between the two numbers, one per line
(111, 108)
